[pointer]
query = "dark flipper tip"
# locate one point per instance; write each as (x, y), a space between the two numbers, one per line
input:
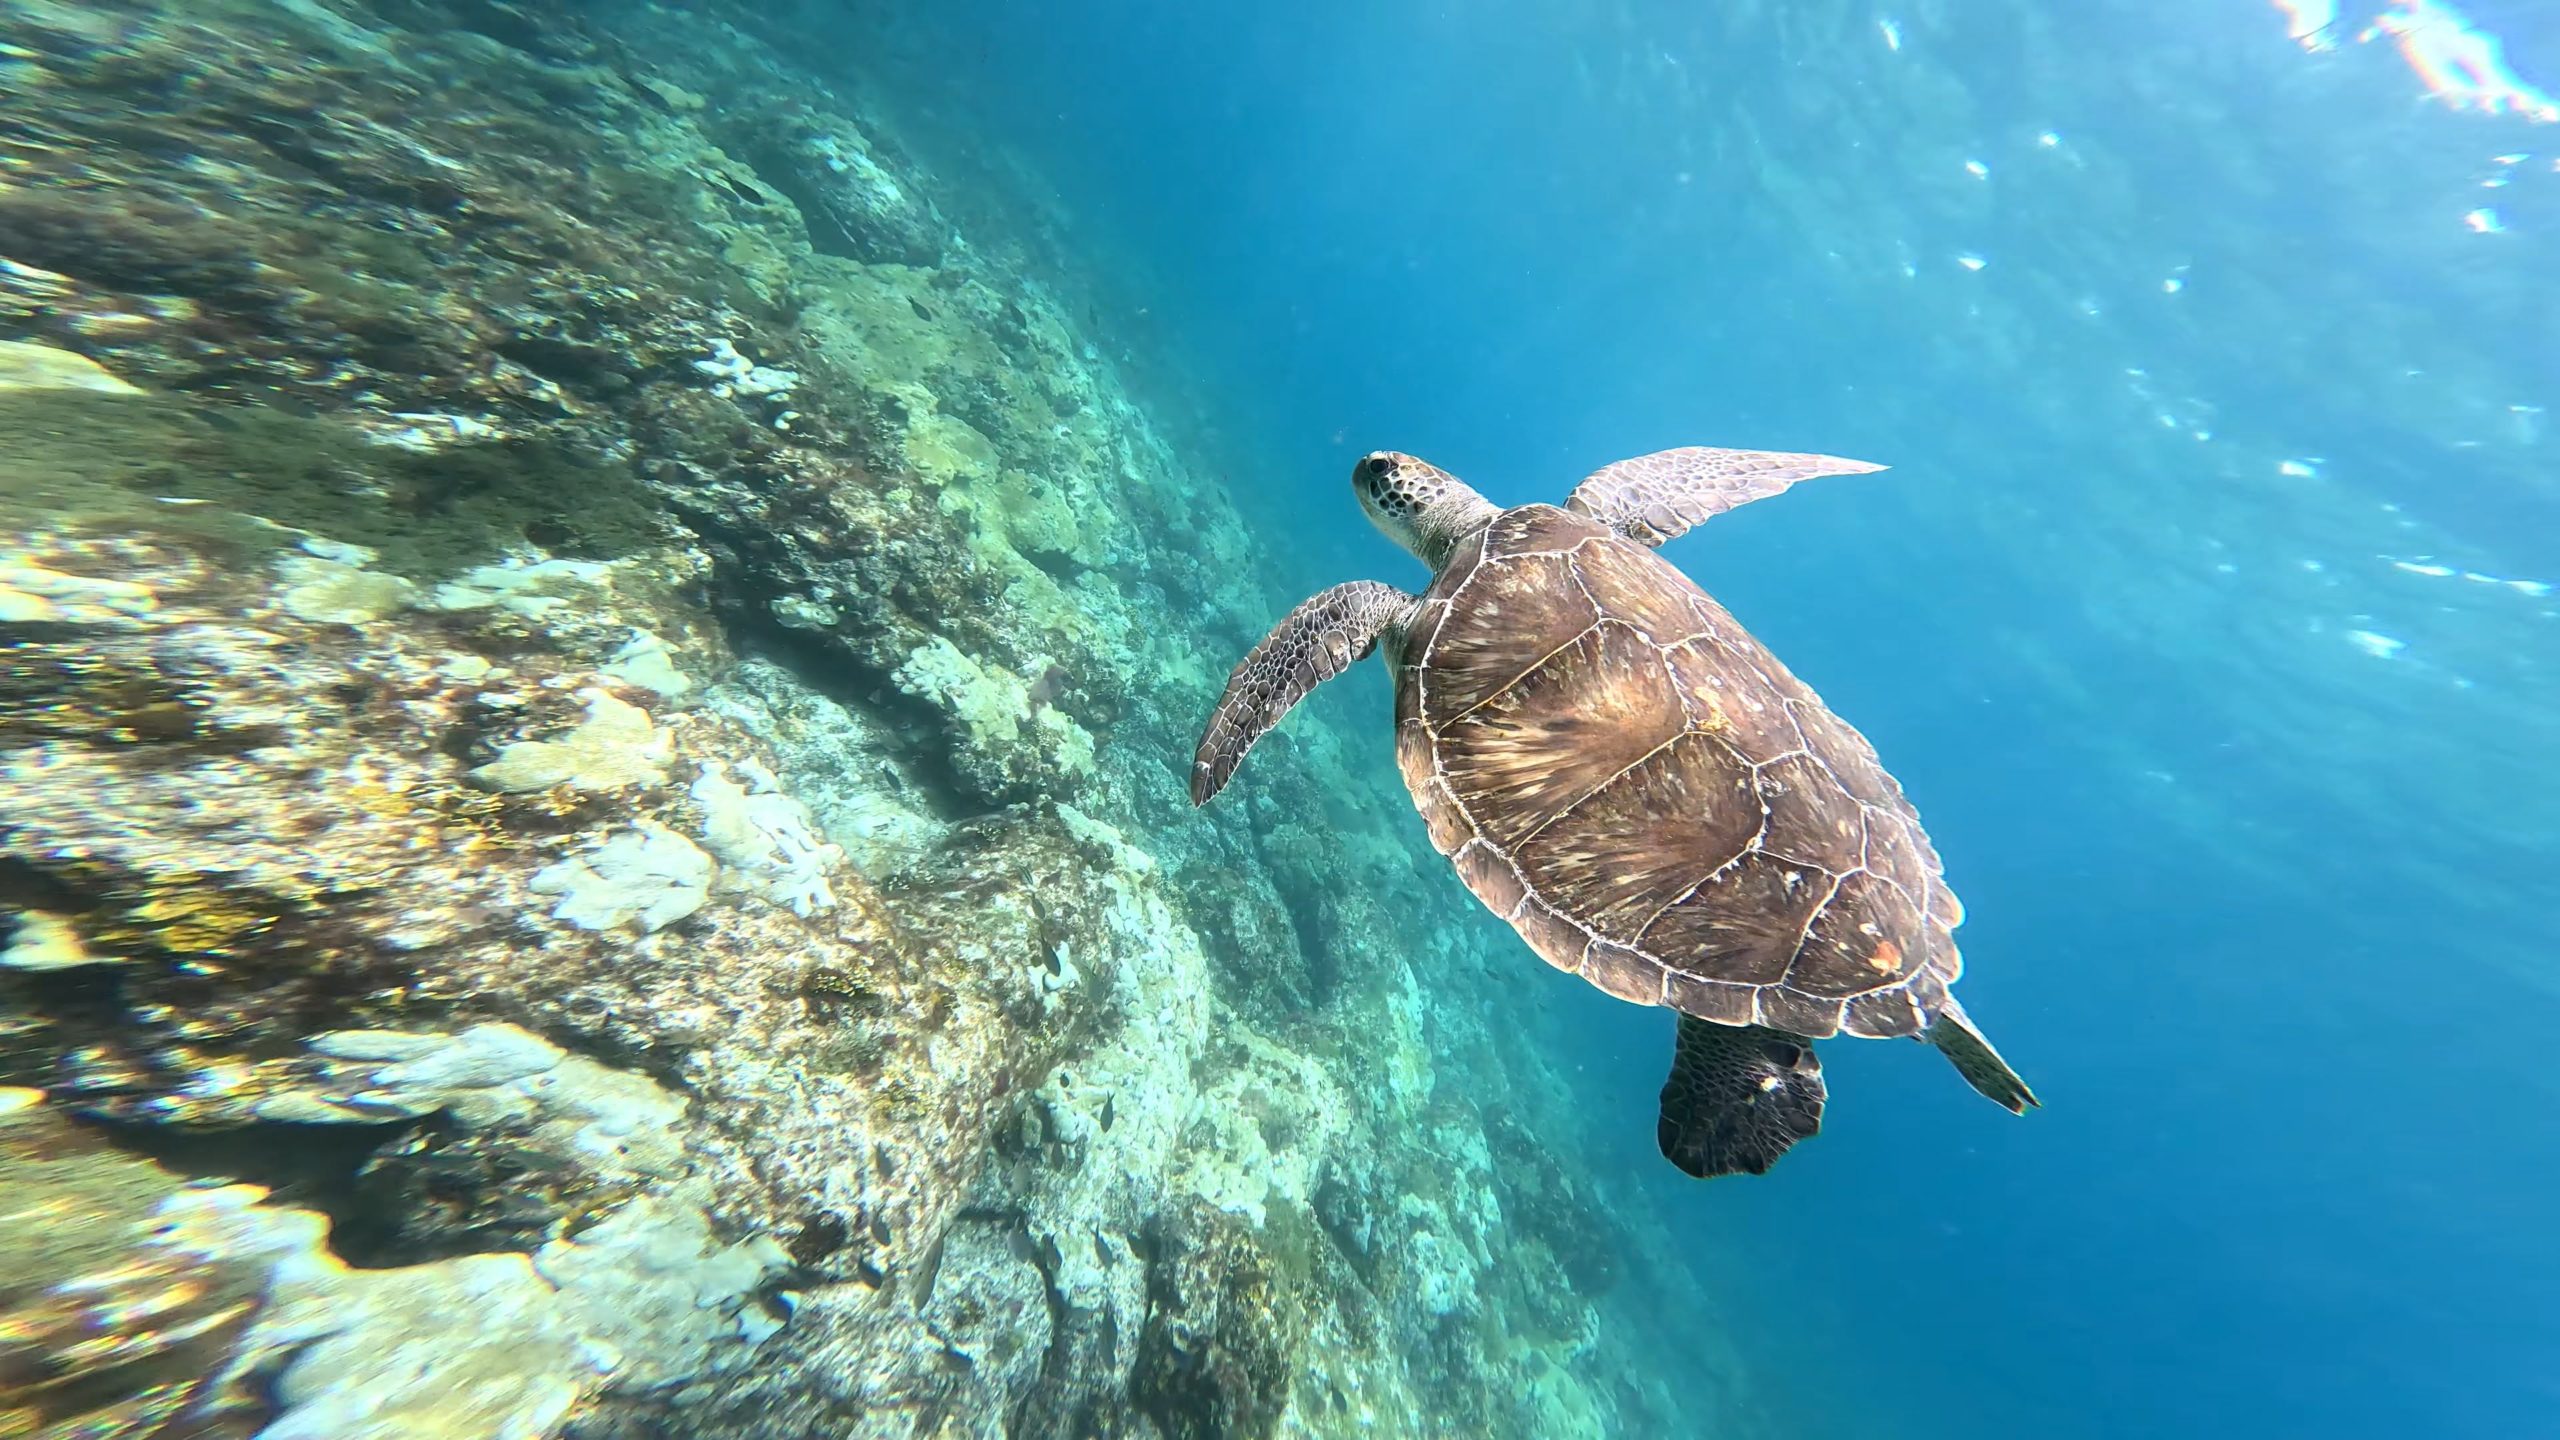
(1737, 1099)
(1202, 785)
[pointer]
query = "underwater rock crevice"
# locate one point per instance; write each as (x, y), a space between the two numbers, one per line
(778, 170)
(521, 28)
(925, 767)
(316, 1167)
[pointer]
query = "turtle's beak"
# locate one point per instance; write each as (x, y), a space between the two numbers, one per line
(1373, 479)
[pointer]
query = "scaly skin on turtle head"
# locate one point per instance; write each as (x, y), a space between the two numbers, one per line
(1420, 506)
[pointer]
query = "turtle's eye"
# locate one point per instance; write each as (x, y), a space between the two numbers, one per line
(1380, 466)
(1785, 1055)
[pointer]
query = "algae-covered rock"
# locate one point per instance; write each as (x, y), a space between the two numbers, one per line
(137, 1306)
(1223, 1330)
(119, 1313)
(253, 479)
(1000, 744)
(852, 205)
(990, 1303)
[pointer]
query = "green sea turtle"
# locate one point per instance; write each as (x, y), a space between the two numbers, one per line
(1622, 773)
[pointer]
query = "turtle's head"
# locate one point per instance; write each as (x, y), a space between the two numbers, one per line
(1420, 506)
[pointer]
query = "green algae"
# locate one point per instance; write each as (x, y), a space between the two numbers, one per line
(108, 462)
(49, 691)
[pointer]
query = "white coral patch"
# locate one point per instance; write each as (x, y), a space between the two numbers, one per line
(30, 592)
(47, 942)
(767, 842)
(651, 877)
(732, 374)
(989, 704)
(332, 592)
(644, 660)
(531, 588)
(615, 747)
(28, 366)
(648, 1297)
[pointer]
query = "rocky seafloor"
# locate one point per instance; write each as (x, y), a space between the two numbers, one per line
(594, 695)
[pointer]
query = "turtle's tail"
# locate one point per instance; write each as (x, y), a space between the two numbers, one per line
(1980, 1065)
(1738, 1096)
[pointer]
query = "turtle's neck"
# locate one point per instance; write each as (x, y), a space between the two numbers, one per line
(1437, 531)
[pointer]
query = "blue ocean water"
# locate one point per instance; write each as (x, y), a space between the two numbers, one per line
(604, 604)
(2205, 611)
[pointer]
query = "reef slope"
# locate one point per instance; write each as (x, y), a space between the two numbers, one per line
(588, 721)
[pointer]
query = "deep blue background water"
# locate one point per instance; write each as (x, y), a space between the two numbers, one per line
(2270, 920)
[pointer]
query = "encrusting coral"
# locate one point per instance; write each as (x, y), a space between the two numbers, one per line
(586, 693)
(615, 747)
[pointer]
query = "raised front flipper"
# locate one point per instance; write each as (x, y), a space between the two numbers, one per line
(1657, 497)
(1738, 1096)
(1318, 641)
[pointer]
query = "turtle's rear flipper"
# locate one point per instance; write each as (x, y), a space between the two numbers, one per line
(1319, 640)
(1980, 1065)
(1738, 1096)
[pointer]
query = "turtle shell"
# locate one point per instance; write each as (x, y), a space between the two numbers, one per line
(1621, 772)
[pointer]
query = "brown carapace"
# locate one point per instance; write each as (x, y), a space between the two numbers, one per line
(1620, 771)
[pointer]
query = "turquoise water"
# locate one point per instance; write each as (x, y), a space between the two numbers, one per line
(2199, 355)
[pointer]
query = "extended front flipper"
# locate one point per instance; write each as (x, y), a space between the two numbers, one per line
(1657, 497)
(1738, 1096)
(1318, 641)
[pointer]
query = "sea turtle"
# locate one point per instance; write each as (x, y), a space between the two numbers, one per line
(1621, 772)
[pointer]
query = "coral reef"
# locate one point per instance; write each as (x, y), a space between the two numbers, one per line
(136, 1305)
(585, 696)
